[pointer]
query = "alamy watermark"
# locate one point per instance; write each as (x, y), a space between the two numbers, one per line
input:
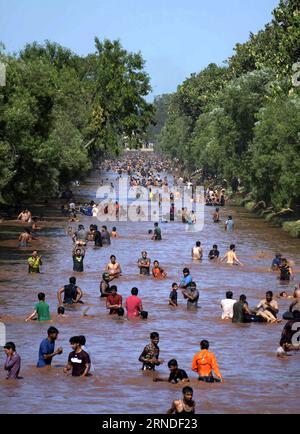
(125, 203)
(2, 74)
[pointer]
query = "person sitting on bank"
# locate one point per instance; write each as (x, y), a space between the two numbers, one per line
(72, 293)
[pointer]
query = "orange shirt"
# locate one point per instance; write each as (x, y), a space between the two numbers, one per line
(204, 363)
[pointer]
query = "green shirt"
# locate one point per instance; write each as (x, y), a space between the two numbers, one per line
(42, 310)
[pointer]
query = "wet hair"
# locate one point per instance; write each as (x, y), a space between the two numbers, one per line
(82, 340)
(72, 280)
(172, 362)
(41, 296)
(154, 335)
(114, 229)
(204, 344)
(174, 284)
(270, 293)
(144, 314)
(52, 330)
(243, 297)
(113, 256)
(104, 227)
(281, 294)
(27, 230)
(187, 389)
(75, 340)
(114, 288)
(106, 274)
(229, 294)
(156, 261)
(186, 270)
(120, 311)
(232, 246)
(134, 291)
(229, 217)
(198, 243)
(150, 231)
(60, 310)
(215, 246)
(193, 285)
(156, 224)
(10, 346)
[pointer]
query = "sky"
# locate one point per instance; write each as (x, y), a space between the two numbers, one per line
(175, 37)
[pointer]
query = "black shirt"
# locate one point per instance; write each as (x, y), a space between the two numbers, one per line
(173, 296)
(78, 362)
(177, 376)
(214, 254)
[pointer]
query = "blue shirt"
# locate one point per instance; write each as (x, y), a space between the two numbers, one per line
(46, 347)
(186, 281)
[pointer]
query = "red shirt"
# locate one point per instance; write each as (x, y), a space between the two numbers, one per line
(117, 299)
(133, 306)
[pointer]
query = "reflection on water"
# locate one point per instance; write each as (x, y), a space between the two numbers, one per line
(255, 380)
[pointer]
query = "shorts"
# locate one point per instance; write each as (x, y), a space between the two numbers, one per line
(209, 379)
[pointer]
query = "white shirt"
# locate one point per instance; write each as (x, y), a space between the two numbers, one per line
(227, 308)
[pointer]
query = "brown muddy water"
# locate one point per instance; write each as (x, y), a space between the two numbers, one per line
(256, 381)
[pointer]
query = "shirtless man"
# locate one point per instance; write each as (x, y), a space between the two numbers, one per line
(197, 251)
(25, 238)
(185, 405)
(25, 216)
(231, 256)
(113, 268)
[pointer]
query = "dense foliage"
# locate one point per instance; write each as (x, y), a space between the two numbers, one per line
(60, 111)
(244, 120)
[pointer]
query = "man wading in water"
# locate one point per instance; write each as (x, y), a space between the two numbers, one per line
(72, 293)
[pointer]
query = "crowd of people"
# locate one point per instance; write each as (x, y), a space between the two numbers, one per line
(146, 173)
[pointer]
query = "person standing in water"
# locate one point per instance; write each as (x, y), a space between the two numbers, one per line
(197, 251)
(78, 257)
(25, 238)
(231, 257)
(229, 224)
(72, 293)
(214, 253)
(216, 216)
(227, 306)
(113, 268)
(46, 351)
(285, 271)
(157, 233)
(13, 361)
(41, 309)
(34, 262)
(144, 264)
(205, 363)
(173, 295)
(78, 361)
(150, 355)
(185, 405)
